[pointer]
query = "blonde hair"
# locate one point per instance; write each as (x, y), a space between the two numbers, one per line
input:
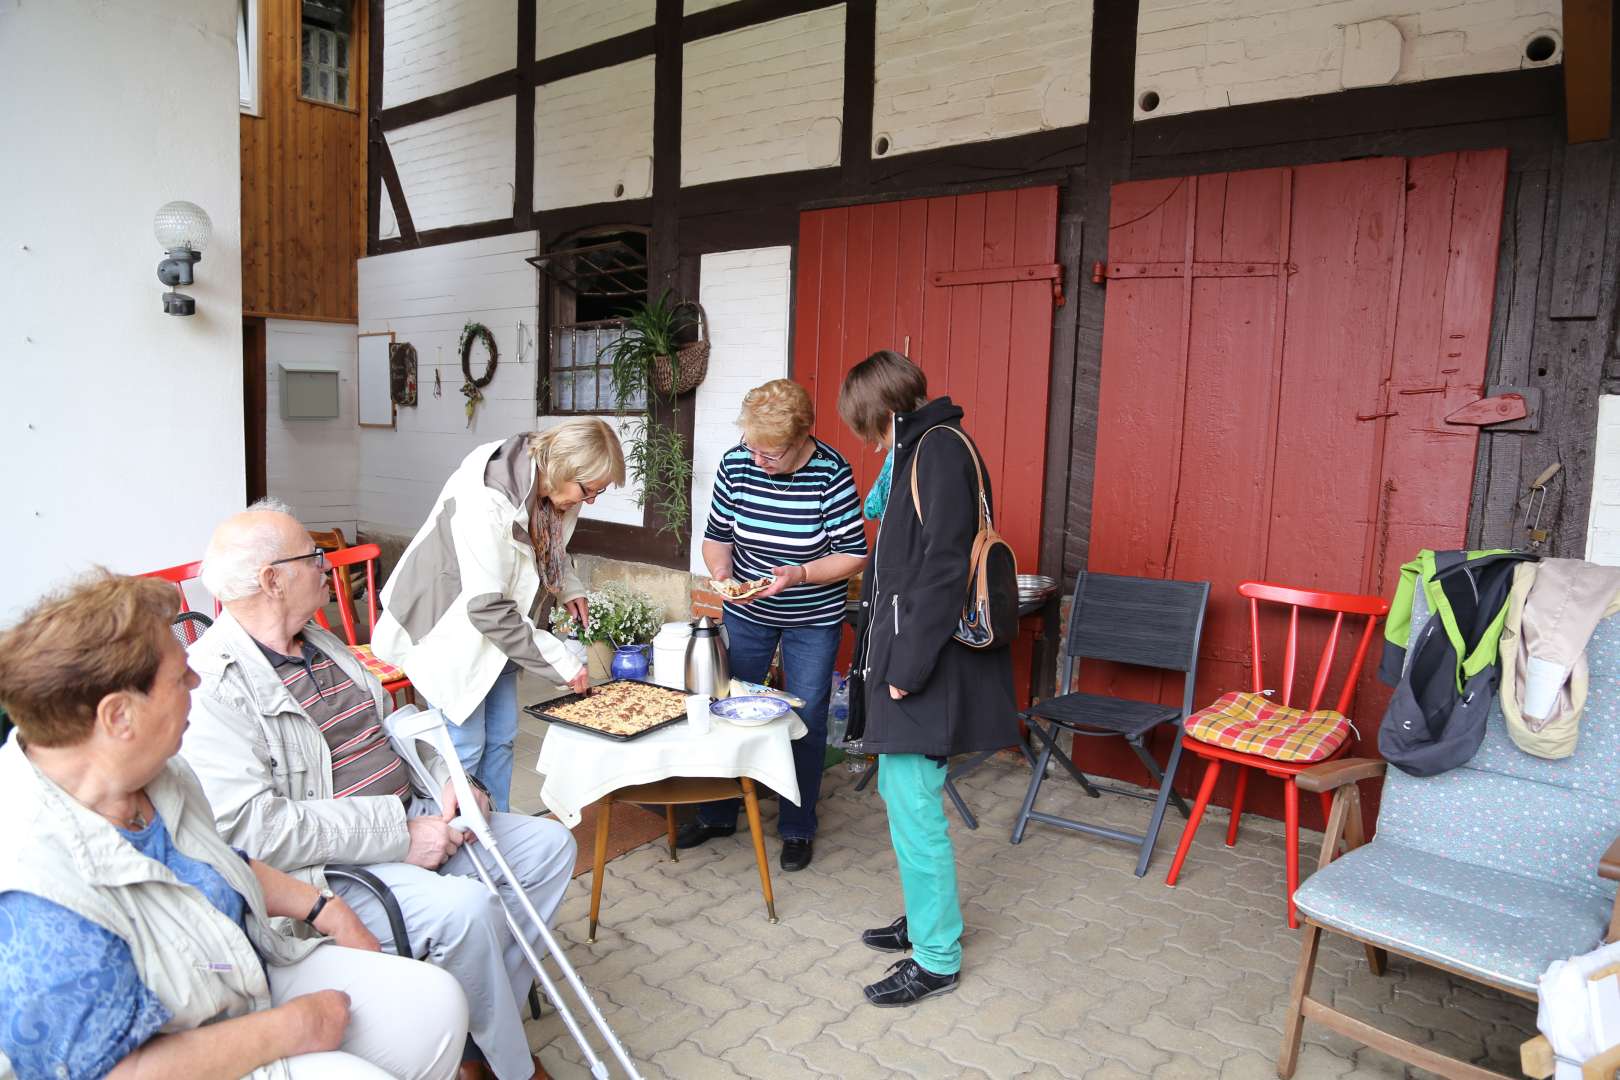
(583, 448)
(100, 635)
(879, 386)
(777, 414)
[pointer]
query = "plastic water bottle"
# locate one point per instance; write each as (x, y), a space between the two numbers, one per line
(838, 710)
(855, 759)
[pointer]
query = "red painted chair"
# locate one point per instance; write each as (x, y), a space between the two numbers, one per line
(337, 563)
(1252, 732)
(179, 575)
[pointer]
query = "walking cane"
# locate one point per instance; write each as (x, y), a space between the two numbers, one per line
(405, 726)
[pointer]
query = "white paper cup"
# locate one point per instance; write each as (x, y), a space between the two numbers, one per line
(697, 713)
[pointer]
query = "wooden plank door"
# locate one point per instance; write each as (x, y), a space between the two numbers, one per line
(957, 284)
(1280, 350)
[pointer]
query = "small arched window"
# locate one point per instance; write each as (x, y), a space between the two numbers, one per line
(590, 279)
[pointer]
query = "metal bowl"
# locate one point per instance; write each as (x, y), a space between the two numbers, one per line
(1035, 586)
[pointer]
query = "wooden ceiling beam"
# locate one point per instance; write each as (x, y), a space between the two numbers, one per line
(1588, 68)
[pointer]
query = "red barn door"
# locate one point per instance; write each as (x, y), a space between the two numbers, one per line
(965, 287)
(1280, 351)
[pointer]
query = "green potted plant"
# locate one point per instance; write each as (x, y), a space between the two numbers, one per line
(655, 453)
(623, 621)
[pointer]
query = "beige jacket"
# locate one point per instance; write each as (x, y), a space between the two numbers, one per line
(457, 607)
(195, 960)
(267, 768)
(1553, 609)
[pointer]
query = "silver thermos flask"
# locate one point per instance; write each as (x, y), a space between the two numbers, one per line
(707, 669)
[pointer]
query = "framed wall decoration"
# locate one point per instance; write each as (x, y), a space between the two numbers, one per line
(402, 373)
(373, 392)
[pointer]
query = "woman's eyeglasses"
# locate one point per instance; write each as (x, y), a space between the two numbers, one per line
(760, 455)
(318, 555)
(590, 492)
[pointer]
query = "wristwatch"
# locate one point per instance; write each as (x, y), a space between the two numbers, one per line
(320, 904)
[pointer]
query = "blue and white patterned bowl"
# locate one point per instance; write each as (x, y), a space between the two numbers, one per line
(750, 710)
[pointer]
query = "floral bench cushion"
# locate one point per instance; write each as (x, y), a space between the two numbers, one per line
(1253, 724)
(1493, 925)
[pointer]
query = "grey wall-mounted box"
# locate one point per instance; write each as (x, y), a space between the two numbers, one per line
(308, 392)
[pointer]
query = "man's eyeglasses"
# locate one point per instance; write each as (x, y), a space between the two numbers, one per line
(318, 555)
(760, 455)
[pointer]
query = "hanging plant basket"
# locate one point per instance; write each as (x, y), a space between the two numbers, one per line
(690, 365)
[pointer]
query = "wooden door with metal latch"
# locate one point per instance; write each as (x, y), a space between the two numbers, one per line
(1282, 350)
(965, 286)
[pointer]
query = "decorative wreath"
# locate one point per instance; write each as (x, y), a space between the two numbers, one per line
(474, 388)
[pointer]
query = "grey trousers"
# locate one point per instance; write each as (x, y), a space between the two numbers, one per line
(455, 923)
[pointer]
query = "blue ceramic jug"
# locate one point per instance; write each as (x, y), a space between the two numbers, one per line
(629, 662)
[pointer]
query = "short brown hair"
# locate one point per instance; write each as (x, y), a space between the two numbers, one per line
(98, 636)
(777, 414)
(883, 383)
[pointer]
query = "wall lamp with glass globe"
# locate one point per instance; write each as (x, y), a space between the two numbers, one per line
(183, 229)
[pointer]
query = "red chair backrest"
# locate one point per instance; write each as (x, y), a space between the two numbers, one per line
(180, 575)
(1372, 608)
(336, 561)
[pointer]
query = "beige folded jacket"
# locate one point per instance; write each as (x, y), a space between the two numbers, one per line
(1553, 609)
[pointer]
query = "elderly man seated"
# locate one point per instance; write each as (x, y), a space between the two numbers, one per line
(286, 736)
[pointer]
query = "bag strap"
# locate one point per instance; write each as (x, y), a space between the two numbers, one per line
(978, 472)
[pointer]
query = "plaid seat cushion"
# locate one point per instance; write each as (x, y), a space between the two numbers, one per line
(382, 669)
(1252, 724)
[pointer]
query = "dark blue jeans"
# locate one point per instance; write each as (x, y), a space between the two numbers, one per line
(808, 653)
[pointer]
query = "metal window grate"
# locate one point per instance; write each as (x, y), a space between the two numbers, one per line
(581, 382)
(608, 269)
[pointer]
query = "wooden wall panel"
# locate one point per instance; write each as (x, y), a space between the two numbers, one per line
(303, 183)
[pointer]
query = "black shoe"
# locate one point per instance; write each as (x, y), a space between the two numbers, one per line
(796, 854)
(891, 938)
(908, 983)
(694, 833)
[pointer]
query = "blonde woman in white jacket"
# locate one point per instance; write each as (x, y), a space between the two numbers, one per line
(459, 609)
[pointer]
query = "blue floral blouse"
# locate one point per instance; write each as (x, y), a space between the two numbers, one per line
(72, 1003)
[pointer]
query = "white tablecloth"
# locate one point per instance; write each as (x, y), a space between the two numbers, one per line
(580, 768)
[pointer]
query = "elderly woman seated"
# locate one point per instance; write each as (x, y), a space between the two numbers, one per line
(133, 941)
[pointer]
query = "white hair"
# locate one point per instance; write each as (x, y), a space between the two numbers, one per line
(230, 571)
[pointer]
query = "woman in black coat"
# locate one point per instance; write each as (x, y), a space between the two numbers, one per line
(927, 696)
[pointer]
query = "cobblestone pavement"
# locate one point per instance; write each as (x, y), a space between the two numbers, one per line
(1072, 966)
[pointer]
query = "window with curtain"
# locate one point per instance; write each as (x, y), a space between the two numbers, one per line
(325, 53)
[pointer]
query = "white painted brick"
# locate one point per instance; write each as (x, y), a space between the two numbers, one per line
(763, 100)
(459, 168)
(1265, 50)
(943, 67)
(593, 132)
(746, 295)
(430, 46)
(562, 25)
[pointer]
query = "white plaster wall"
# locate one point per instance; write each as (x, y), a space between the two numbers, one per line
(1603, 524)
(763, 100)
(746, 295)
(951, 72)
(430, 46)
(562, 25)
(593, 137)
(702, 5)
(426, 296)
(122, 425)
(1206, 54)
(313, 465)
(460, 168)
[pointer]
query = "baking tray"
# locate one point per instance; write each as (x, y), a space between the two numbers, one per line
(540, 711)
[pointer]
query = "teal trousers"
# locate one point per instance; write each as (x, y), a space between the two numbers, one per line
(911, 786)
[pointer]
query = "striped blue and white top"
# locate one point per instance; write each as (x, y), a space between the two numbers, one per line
(787, 520)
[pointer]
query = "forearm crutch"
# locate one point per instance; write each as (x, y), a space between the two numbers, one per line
(405, 726)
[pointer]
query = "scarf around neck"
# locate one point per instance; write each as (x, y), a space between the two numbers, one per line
(546, 537)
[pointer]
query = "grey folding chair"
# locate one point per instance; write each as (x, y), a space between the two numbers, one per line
(1144, 622)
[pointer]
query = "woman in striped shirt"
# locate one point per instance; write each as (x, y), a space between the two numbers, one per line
(784, 508)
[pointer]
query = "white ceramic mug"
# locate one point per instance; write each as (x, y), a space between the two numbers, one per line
(697, 713)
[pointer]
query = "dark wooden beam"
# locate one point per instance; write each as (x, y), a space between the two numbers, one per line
(569, 219)
(745, 13)
(374, 76)
(978, 163)
(610, 52)
(1588, 68)
(450, 234)
(860, 81)
(485, 90)
(384, 157)
(523, 173)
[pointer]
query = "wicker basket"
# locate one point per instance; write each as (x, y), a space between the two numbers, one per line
(690, 365)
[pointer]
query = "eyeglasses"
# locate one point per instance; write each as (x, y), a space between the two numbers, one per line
(318, 555)
(760, 455)
(590, 492)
